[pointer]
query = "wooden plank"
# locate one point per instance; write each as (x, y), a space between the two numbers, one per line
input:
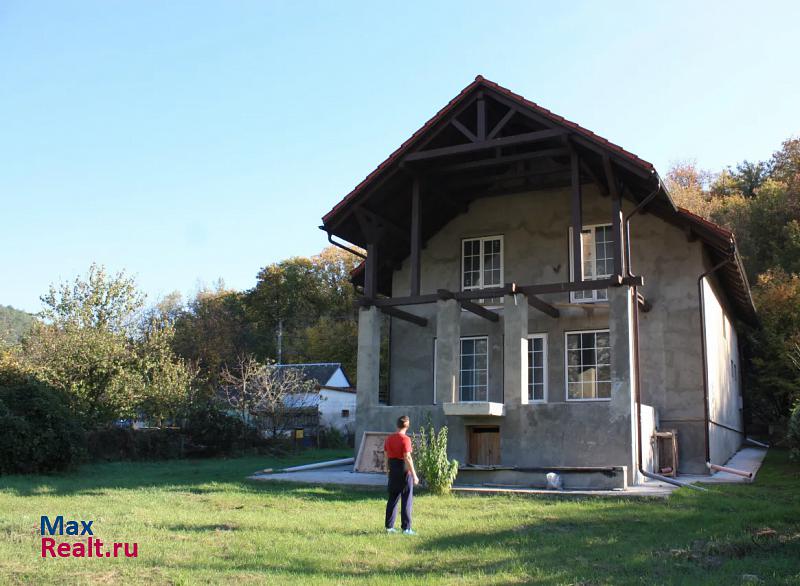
(543, 306)
(416, 240)
(380, 222)
(503, 121)
(469, 305)
(527, 137)
(464, 130)
(616, 215)
(405, 316)
(577, 216)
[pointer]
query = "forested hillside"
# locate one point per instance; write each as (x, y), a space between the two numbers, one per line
(13, 324)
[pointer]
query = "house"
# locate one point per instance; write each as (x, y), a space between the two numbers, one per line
(332, 402)
(545, 298)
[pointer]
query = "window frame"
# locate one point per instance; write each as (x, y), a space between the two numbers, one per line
(483, 240)
(460, 355)
(572, 273)
(545, 370)
(566, 366)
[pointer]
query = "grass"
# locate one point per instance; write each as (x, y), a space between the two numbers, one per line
(202, 522)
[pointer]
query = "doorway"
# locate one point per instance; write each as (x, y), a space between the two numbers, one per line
(484, 445)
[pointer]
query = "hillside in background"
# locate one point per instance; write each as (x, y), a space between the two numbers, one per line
(13, 323)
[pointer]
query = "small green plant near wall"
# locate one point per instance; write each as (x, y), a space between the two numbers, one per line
(435, 470)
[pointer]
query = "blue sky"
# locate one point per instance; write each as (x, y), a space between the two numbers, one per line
(191, 141)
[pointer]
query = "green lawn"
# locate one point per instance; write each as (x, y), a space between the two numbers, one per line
(200, 521)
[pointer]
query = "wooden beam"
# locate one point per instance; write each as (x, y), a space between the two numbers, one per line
(371, 271)
(405, 316)
(529, 290)
(543, 306)
(469, 305)
(416, 239)
(481, 117)
(577, 216)
(464, 130)
(379, 223)
(593, 176)
(527, 137)
(616, 216)
(544, 153)
(503, 121)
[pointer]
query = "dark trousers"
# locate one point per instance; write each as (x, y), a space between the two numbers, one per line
(401, 487)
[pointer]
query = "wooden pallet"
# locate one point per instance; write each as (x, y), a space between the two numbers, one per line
(667, 452)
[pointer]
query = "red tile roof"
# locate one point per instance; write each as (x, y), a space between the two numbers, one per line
(483, 82)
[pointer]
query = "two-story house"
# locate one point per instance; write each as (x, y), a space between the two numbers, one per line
(545, 299)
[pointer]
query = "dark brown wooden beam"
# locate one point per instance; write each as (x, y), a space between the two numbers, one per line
(404, 315)
(481, 117)
(644, 304)
(528, 137)
(416, 236)
(544, 153)
(542, 289)
(371, 271)
(469, 305)
(503, 121)
(616, 216)
(577, 216)
(380, 223)
(542, 306)
(464, 130)
(586, 168)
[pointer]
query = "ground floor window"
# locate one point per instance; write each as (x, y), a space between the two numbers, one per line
(588, 361)
(474, 369)
(537, 367)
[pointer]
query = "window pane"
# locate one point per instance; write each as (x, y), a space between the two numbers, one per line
(474, 373)
(588, 365)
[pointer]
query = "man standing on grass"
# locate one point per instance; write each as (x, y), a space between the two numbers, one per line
(402, 477)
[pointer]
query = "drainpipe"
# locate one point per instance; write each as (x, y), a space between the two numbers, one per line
(342, 246)
(706, 410)
(637, 378)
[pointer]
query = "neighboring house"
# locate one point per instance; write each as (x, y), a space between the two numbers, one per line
(521, 315)
(332, 403)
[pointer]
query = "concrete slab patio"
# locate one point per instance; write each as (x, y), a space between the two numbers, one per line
(748, 459)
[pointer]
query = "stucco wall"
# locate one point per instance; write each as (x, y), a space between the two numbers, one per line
(724, 390)
(535, 231)
(331, 406)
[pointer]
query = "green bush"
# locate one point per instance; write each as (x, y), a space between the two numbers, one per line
(436, 472)
(332, 437)
(135, 444)
(213, 432)
(39, 432)
(793, 436)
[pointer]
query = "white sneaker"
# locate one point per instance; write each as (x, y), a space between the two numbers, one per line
(391, 530)
(409, 532)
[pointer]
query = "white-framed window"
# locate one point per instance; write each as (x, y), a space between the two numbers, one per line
(473, 380)
(537, 368)
(597, 260)
(481, 262)
(588, 365)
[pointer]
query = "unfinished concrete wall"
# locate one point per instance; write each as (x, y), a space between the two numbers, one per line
(724, 389)
(535, 230)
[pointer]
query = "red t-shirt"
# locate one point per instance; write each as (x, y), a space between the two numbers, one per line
(397, 446)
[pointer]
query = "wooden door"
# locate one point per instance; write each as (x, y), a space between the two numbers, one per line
(484, 445)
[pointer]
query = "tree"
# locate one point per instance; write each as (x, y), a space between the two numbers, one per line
(276, 399)
(687, 186)
(749, 177)
(13, 324)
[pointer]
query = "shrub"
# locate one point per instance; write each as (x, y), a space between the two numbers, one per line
(793, 436)
(214, 432)
(435, 470)
(332, 437)
(135, 444)
(40, 433)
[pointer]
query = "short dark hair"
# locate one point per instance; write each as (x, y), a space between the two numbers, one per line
(402, 421)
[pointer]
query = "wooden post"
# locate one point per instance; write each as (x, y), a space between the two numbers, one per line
(481, 118)
(371, 272)
(616, 217)
(416, 233)
(577, 216)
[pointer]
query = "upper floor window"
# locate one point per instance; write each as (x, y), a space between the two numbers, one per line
(597, 256)
(482, 262)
